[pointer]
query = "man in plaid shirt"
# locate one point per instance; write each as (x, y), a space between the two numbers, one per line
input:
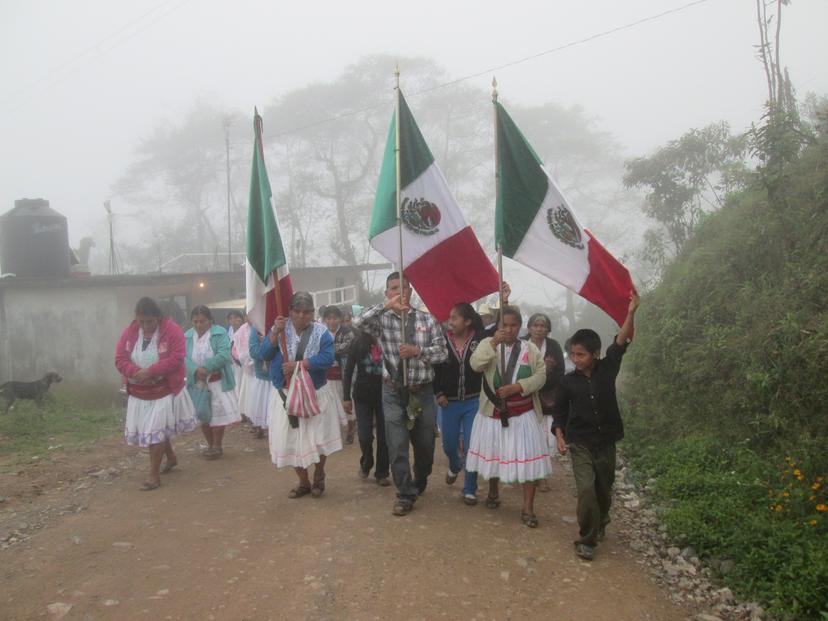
(410, 411)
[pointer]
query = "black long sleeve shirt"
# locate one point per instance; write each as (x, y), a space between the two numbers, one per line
(586, 408)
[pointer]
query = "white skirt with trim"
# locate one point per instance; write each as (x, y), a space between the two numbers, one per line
(258, 398)
(224, 404)
(157, 420)
(316, 436)
(514, 454)
(334, 388)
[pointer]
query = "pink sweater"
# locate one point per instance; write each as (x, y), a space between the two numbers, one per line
(171, 353)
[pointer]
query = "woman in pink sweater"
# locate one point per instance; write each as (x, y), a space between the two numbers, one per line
(150, 358)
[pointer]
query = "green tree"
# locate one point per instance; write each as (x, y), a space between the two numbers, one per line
(685, 179)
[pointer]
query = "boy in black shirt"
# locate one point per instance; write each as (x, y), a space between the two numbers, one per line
(587, 423)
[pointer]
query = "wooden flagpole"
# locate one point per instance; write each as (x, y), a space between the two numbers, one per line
(499, 244)
(403, 317)
(277, 291)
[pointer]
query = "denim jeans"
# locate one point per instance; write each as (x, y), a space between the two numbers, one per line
(459, 416)
(398, 437)
(367, 413)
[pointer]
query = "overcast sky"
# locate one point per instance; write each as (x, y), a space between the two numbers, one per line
(84, 81)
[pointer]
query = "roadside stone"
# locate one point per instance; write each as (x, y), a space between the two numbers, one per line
(58, 610)
(673, 552)
(633, 505)
(111, 602)
(689, 552)
(725, 596)
(124, 545)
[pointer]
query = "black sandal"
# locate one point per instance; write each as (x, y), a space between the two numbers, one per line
(529, 519)
(299, 491)
(492, 502)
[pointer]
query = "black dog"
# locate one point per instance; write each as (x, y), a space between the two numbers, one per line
(11, 391)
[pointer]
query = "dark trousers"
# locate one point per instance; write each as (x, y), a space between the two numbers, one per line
(369, 413)
(421, 438)
(594, 471)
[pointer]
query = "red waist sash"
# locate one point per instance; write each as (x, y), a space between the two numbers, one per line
(215, 376)
(515, 406)
(334, 373)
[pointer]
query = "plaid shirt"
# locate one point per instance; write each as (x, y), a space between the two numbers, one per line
(427, 336)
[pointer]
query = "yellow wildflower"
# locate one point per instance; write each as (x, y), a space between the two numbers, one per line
(822, 507)
(816, 486)
(785, 494)
(797, 472)
(777, 508)
(812, 498)
(812, 522)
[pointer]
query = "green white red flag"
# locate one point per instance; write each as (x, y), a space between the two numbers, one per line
(266, 262)
(537, 227)
(442, 257)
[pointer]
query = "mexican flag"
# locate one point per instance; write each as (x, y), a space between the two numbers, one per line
(266, 261)
(443, 259)
(538, 228)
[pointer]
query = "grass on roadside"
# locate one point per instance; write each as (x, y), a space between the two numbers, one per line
(28, 431)
(767, 514)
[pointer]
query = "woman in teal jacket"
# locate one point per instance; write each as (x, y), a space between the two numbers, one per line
(210, 366)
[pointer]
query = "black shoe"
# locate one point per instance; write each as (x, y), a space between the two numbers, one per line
(401, 508)
(363, 474)
(421, 486)
(451, 477)
(584, 551)
(383, 481)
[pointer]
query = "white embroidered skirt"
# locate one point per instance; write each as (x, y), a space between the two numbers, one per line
(315, 436)
(224, 404)
(258, 397)
(157, 420)
(514, 454)
(334, 388)
(241, 390)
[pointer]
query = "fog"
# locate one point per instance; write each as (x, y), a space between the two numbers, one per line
(86, 82)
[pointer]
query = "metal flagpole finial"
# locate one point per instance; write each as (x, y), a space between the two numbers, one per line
(494, 89)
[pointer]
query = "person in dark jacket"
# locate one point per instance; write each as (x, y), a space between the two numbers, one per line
(362, 392)
(457, 388)
(539, 327)
(588, 424)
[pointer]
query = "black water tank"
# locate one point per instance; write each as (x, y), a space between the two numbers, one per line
(34, 241)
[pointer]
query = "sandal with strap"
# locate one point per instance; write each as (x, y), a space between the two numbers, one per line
(168, 467)
(529, 519)
(299, 491)
(492, 502)
(148, 486)
(318, 487)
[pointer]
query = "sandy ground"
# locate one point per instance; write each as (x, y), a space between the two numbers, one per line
(221, 540)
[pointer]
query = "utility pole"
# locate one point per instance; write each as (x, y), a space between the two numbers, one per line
(229, 230)
(113, 257)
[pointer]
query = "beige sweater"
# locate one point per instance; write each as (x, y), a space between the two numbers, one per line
(484, 359)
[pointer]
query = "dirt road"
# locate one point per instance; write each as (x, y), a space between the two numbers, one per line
(221, 540)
